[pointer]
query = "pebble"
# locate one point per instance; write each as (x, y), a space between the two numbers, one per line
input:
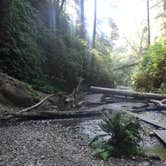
(145, 163)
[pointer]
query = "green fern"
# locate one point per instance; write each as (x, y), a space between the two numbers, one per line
(124, 137)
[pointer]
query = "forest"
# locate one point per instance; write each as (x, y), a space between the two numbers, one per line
(41, 45)
(66, 61)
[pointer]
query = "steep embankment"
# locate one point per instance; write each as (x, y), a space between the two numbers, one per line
(49, 58)
(15, 94)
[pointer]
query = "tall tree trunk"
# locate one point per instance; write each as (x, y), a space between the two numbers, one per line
(148, 23)
(55, 10)
(59, 8)
(52, 14)
(62, 5)
(82, 26)
(94, 24)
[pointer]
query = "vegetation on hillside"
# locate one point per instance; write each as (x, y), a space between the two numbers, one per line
(40, 44)
(47, 57)
(151, 73)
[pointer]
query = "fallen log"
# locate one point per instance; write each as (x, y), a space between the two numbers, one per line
(140, 95)
(88, 112)
(54, 115)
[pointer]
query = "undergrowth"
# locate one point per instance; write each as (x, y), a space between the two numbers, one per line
(124, 137)
(151, 73)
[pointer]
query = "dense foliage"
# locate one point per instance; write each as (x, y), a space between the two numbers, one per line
(100, 72)
(124, 137)
(151, 74)
(122, 68)
(47, 57)
(21, 55)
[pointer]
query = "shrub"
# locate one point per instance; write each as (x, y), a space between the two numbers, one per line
(100, 71)
(124, 137)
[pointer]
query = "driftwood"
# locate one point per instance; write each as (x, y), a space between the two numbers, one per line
(36, 105)
(126, 93)
(160, 104)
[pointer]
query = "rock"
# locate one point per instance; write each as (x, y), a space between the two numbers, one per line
(93, 98)
(151, 134)
(42, 157)
(153, 157)
(144, 163)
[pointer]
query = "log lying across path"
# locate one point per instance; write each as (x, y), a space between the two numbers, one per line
(86, 113)
(134, 94)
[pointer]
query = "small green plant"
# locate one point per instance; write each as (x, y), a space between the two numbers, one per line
(124, 137)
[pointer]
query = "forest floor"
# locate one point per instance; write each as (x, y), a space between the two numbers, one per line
(55, 143)
(65, 142)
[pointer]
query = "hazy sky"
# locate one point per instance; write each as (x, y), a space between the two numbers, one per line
(127, 14)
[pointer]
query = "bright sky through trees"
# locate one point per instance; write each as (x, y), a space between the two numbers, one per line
(127, 14)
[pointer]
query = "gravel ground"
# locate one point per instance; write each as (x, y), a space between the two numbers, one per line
(53, 143)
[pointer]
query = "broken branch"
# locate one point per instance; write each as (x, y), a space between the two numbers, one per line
(36, 105)
(159, 104)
